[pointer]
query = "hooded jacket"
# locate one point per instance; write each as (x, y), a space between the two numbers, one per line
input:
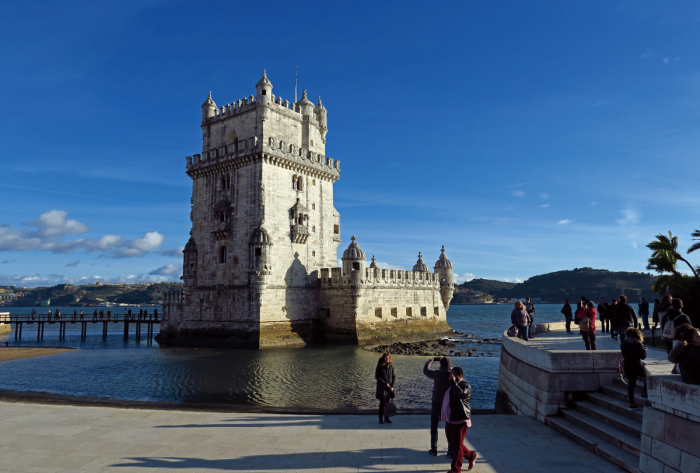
(687, 355)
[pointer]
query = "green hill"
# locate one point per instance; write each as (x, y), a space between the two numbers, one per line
(489, 286)
(589, 282)
(67, 295)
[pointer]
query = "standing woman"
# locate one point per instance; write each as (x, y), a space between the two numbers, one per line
(386, 379)
(521, 319)
(586, 317)
(633, 352)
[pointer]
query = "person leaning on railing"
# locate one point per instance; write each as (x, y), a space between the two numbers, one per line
(686, 353)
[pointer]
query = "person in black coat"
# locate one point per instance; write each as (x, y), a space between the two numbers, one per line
(624, 317)
(568, 315)
(633, 352)
(603, 315)
(441, 379)
(386, 379)
(674, 314)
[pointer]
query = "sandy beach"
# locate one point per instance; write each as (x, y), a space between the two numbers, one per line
(18, 353)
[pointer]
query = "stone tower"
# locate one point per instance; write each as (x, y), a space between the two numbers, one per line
(260, 268)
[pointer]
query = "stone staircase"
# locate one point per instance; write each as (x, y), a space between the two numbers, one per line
(602, 422)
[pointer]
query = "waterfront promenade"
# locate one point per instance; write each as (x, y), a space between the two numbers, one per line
(57, 438)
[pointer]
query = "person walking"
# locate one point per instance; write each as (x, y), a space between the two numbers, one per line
(568, 316)
(687, 354)
(643, 307)
(611, 319)
(633, 352)
(603, 314)
(82, 314)
(386, 379)
(33, 313)
(586, 318)
(521, 319)
(94, 315)
(441, 378)
(655, 315)
(664, 306)
(625, 317)
(57, 314)
(530, 308)
(673, 318)
(456, 412)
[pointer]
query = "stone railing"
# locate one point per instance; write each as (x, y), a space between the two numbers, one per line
(536, 381)
(671, 427)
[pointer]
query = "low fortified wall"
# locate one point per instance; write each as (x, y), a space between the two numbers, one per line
(536, 382)
(671, 427)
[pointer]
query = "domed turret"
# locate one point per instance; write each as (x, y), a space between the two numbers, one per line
(264, 90)
(353, 261)
(443, 268)
(443, 262)
(208, 108)
(420, 265)
(321, 116)
(305, 105)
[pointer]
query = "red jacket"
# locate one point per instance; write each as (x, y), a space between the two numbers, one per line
(591, 312)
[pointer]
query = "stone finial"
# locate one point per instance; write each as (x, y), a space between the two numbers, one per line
(374, 262)
(443, 262)
(264, 81)
(303, 95)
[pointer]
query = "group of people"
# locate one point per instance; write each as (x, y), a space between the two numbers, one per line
(451, 403)
(56, 315)
(522, 317)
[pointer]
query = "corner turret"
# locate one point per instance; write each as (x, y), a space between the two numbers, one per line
(208, 108)
(264, 90)
(322, 117)
(353, 262)
(443, 268)
(420, 265)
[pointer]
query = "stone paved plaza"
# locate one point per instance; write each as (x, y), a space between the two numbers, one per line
(51, 438)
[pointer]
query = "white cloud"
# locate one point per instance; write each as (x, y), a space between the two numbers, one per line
(544, 196)
(564, 222)
(630, 217)
(167, 270)
(544, 206)
(515, 280)
(594, 204)
(175, 252)
(53, 226)
(518, 194)
(667, 60)
(462, 278)
(382, 265)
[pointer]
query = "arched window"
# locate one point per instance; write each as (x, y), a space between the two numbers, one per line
(300, 183)
(222, 254)
(294, 181)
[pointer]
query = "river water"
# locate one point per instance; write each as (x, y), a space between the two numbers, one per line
(317, 377)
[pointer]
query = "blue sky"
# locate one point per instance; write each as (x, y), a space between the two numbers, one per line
(526, 137)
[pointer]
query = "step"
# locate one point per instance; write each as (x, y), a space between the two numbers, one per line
(604, 431)
(617, 381)
(621, 393)
(623, 422)
(621, 458)
(615, 404)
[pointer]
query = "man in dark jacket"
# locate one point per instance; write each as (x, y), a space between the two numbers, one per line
(441, 379)
(644, 312)
(674, 314)
(530, 309)
(458, 419)
(624, 317)
(611, 315)
(603, 315)
(568, 316)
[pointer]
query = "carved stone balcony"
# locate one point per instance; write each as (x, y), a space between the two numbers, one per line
(300, 233)
(221, 230)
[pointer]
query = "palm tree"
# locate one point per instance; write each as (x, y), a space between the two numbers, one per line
(665, 254)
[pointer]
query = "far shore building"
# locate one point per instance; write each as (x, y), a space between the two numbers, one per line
(260, 265)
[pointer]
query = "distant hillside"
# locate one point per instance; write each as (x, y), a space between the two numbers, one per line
(589, 282)
(67, 295)
(489, 286)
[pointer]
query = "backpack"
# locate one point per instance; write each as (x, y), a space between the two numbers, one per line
(585, 324)
(514, 331)
(668, 331)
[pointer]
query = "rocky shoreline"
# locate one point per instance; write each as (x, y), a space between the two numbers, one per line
(457, 347)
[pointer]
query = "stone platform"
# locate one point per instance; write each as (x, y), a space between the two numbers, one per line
(49, 438)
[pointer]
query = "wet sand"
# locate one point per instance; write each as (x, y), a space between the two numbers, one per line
(18, 353)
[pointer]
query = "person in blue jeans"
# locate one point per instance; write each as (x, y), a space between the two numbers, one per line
(521, 319)
(441, 379)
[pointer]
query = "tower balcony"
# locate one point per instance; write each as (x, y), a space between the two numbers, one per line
(221, 230)
(300, 233)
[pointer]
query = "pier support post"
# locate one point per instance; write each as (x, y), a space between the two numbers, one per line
(126, 330)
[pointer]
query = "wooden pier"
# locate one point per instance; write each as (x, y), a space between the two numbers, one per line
(64, 320)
